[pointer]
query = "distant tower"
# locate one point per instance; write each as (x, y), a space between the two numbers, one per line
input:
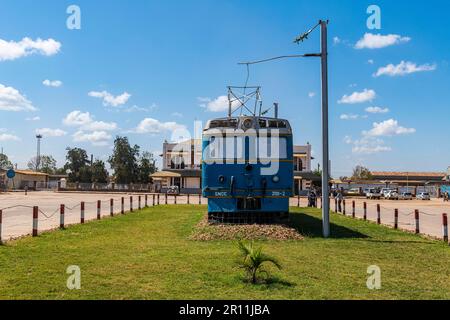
(38, 154)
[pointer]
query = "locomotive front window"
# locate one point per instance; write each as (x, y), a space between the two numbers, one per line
(251, 148)
(215, 149)
(274, 148)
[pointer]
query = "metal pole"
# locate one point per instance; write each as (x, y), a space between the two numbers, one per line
(325, 147)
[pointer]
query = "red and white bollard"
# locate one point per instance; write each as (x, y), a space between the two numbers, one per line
(166, 201)
(344, 209)
(365, 210)
(131, 204)
(378, 214)
(396, 219)
(146, 201)
(153, 200)
(82, 212)
(354, 209)
(99, 210)
(139, 203)
(122, 206)
(298, 201)
(188, 199)
(159, 199)
(200, 199)
(35, 221)
(1, 218)
(111, 207)
(62, 212)
(175, 199)
(417, 218)
(445, 226)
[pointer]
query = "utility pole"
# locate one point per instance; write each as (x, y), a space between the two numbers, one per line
(38, 153)
(325, 133)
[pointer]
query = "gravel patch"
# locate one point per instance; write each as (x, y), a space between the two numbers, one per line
(205, 231)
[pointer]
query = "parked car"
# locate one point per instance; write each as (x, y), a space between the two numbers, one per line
(391, 195)
(405, 196)
(373, 194)
(173, 190)
(385, 191)
(423, 196)
(354, 192)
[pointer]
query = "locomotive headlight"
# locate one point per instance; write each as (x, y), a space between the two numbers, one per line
(276, 179)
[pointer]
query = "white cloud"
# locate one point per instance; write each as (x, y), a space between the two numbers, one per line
(336, 40)
(367, 145)
(84, 121)
(141, 109)
(77, 118)
(377, 110)
(311, 94)
(52, 83)
(12, 100)
(11, 50)
(8, 137)
(370, 61)
(403, 68)
(47, 132)
(153, 126)
(388, 128)
(96, 138)
(349, 116)
(220, 104)
(177, 114)
(37, 118)
(378, 41)
(109, 99)
(358, 97)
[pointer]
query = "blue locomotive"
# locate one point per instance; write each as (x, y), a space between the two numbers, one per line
(247, 168)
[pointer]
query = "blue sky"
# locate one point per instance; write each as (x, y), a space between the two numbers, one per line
(139, 68)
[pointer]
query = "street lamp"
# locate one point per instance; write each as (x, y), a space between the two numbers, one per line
(325, 134)
(38, 151)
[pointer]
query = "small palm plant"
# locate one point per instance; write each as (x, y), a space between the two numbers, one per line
(254, 259)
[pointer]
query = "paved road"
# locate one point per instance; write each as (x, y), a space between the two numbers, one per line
(430, 213)
(18, 221)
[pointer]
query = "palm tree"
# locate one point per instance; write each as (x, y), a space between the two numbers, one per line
(254, 260)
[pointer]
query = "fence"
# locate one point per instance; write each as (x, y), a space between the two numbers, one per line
(32, 220)
(102, 187)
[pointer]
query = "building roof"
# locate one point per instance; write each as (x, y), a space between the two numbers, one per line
(31, 173)
(409, 174)
(165, 174)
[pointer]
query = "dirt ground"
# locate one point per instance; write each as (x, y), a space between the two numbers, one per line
(17, 210)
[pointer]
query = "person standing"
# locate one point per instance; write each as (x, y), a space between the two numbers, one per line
(339, 198)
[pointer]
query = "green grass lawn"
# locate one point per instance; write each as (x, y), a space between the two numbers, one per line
(148, 255)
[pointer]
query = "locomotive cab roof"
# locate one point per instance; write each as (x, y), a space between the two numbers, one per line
(249, 122)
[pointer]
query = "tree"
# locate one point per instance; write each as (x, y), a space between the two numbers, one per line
(98, 172)
(4, 162)
(147, 167)
(361, 173)
(77, 160)
(124, 161)
(47, 164)
(254, 260)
